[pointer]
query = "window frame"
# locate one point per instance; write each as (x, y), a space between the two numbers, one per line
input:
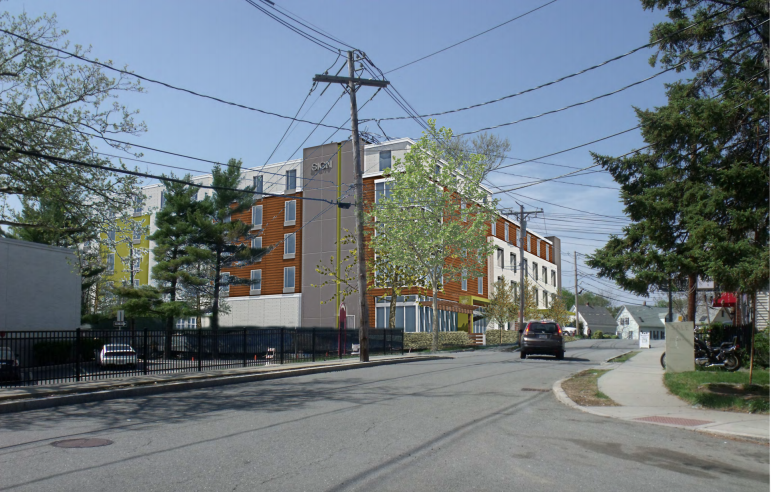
(258, 191)
(252, 290)
(380, 161)
(291, 178)
(287, 242)
(257, 226)
(464, 280)
(292, 222)
(258, 238)
(289, 290)
(481, 286)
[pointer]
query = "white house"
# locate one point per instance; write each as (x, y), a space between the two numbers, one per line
(631, 320)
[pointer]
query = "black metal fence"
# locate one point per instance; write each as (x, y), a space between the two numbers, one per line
(52, 357)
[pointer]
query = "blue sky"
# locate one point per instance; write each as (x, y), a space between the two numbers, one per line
(231, 50)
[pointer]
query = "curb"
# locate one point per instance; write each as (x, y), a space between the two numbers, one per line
(563, 398)
(147, 389)
(616, 357)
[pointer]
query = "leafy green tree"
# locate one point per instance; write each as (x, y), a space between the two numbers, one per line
(48, 104)
(558, 311)
(434, 218)
(698, 196)
(175, 251)
(503, 307)
(225, 242)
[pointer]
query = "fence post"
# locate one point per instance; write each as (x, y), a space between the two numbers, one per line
(313, 344)
(402, 343)
(282, 345)
(77, 354)
(200, 347)
(144, 366)
(244, 347)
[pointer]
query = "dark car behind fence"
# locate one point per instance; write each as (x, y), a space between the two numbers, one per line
(52, 357)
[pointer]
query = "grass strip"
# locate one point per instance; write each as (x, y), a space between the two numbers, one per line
(624, 357)
(582, 389)
(722, 390)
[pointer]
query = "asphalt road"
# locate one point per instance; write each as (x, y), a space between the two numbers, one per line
(483, 421)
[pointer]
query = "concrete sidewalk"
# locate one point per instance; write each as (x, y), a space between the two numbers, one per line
(37, 397)
(637, 385)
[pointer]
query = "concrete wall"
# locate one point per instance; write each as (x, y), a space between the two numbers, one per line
(39, 287)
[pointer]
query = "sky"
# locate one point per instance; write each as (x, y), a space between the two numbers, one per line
(231, 50)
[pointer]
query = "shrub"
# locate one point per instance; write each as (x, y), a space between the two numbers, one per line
(498, 337)
(597, 334)
(446, 338)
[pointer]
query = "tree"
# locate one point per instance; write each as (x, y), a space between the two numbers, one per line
(50, 106)
(175, 251)
(531, 302)
(585, 298)
(347, 280)
(490, 149)
(225, 242)
(434, 217)
(503, 307)
(558, 311)
(698, 197)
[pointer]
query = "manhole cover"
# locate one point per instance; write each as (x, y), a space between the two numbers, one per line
(536, 389)
(82, 443)
(674, 421)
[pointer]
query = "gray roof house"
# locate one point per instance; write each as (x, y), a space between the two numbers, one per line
(596, 318)
(631, 320)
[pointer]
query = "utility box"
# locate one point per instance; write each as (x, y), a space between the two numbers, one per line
(679, 337)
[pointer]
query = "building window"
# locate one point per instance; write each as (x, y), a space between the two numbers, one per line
(535, 293)
(136, 283)
(500, 258)
(538, 248)
(545, 299)
(226, 219)
(524, 266)
(255, 287)
(138, 206)
(257, 244)
(111, 235)
(513, 262)
(543, 274)
(289, 212)
(135, 265)
(163, 198)
(257, 184)
(111, 262)
(464, 281)
(385, 160)
(291, 180)
(225, 284)
(554, 278)
(437, 170)
(288, 280)
(383, 189)
(535, 272)
(289, 246)
(257, 217)
(480, 286)
(492, 227)
(506, 231)
(137, 236)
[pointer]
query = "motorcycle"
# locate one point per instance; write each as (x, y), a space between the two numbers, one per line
(725, 356)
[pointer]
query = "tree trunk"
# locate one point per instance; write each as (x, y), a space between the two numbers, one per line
(692, 297)
(435, 320)
(392, 311)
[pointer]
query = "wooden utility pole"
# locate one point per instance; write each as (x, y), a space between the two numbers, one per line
(575, 286)
(337, 258)
(522, 219)
(351, 82)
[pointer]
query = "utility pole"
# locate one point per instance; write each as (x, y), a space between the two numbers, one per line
(522, 219)
(575, 286)
(337, 258)
(351, 82)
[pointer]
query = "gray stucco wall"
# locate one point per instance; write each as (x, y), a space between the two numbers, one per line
(319, 235)
(39, 287)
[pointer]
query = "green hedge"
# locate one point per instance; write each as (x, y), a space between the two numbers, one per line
(422, 340)
(598, 334)
(498, 337)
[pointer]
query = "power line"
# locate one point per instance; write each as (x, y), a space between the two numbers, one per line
(158, 82)
(580, 72)
(470, 38)
(140, 174)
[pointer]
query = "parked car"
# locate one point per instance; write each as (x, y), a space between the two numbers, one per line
(117, 354)
(542, 337)
(9, 365)
(570, 330)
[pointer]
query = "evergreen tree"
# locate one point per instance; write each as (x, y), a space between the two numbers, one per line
(698, 197)
(227, 242)
(175, 251)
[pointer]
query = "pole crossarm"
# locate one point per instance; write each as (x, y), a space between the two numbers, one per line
(345, 80)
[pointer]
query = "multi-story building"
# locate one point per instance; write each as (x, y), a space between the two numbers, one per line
(295, 214)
